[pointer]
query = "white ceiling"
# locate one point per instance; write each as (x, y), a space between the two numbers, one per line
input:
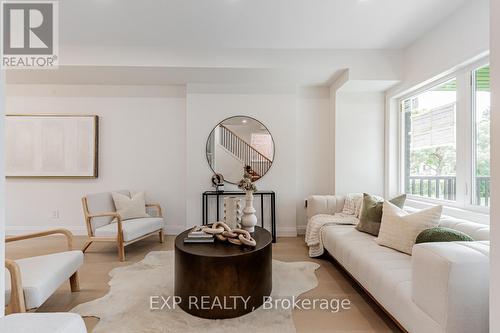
(272, 24)
(228, 42)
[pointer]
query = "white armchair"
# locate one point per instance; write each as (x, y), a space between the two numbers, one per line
(54, 322)
(100, 216)
(29, 282)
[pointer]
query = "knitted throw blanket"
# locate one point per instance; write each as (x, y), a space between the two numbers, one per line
(317, 223)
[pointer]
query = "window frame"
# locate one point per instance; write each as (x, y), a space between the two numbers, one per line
(464, 138)
(473, 128)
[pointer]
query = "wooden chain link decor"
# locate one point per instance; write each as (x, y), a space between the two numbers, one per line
(235, 236)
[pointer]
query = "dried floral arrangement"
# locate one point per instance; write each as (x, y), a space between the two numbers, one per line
(246, 183)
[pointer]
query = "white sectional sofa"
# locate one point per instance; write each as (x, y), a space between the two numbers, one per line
(441, 287)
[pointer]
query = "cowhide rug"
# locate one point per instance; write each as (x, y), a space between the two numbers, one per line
(126, 307)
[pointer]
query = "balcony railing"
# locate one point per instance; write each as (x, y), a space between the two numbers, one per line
(445, 188)
(245, 152)
(483, 191)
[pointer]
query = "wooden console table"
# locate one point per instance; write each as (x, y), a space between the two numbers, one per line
(262, 194)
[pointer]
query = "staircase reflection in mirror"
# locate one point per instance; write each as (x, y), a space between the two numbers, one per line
(239, 142)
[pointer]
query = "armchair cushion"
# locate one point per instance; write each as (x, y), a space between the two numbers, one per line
(42, 275)
(132, 229)
(56, 322)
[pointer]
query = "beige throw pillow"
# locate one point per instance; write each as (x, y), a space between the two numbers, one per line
(399, 230)
(130, 207)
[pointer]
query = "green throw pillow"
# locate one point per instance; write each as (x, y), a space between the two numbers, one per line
(371, 212)
(440, 234)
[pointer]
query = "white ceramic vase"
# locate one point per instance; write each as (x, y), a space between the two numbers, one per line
(232, 211)
(249, 220)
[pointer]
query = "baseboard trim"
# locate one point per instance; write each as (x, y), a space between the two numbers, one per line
(286, 232)
(75, 229)
(174, 229)
(301, 230)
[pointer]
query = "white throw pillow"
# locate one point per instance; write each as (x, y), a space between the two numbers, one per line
(130, 207)
(399, 229)
(352, 203)
(359, 206)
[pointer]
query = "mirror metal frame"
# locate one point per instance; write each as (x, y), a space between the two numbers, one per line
(239, 116)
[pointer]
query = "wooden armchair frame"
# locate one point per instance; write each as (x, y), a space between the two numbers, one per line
(119, 237)
(17, 302)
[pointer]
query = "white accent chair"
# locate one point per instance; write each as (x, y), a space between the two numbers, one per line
(56, 322)
(29, 282)
(100, 216)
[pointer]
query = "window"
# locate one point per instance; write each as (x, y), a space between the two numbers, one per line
(446, 140)
(430, 150)
(263, 143)
(481, 136)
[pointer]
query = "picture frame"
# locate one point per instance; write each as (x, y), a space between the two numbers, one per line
(51, 146)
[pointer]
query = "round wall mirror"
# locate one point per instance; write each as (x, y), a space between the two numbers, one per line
(237, 143)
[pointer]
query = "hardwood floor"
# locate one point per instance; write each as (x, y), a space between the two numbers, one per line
(100, 259)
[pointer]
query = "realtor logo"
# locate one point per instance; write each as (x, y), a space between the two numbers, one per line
(29, 34)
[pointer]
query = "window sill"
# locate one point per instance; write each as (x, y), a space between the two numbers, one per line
(471, 213)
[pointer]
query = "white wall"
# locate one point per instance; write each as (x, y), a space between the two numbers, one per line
(334, 87)
(458, 39)
(277, 110)
(141, 147)
(359, 142)
(227, 163)
(314, 158)
(245, 132)
(495, 168)
(302, 125)
(2, 188)
(153, 138)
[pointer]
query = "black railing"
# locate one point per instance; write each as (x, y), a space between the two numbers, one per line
(483, 191)
(445, 187)
(433, 187)
(245, 152)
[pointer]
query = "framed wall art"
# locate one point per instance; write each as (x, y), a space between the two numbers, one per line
(51, 146)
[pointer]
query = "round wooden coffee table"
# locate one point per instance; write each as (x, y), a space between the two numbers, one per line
(221, 280)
